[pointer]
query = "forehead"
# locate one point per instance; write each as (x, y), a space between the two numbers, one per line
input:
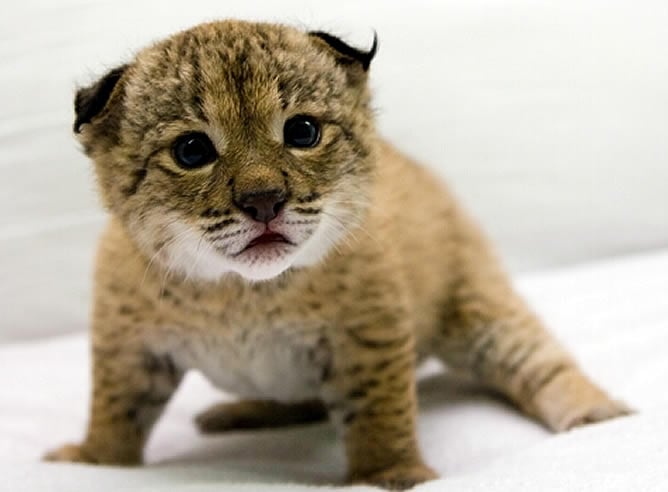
(225, 71)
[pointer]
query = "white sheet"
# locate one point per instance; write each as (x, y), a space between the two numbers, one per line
(613, 315)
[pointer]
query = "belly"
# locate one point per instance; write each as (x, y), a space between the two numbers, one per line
(279, 363)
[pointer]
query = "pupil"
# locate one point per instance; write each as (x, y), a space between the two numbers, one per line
(194, 150)
(304, 131)
(301, 132)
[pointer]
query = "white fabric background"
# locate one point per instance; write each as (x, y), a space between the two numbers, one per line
(549, 119)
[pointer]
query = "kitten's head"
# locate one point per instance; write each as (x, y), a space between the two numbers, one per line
(234, 147)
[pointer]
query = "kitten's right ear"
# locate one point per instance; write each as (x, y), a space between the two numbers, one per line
(94, 100)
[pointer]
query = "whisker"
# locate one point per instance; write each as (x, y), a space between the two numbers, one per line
(357, 226)
(197, 258)
(167, 244)
(178, 240)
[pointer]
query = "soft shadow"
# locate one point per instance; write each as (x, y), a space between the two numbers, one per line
(310, 454)
(446, 388)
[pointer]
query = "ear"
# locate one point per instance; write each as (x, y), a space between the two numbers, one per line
(92, 101)
(345, 54)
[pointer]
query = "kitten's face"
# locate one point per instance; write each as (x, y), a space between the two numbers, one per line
(234, 147)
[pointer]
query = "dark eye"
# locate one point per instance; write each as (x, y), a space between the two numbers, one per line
(193, 150)
(301, 131)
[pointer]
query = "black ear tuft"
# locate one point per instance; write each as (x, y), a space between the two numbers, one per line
(90, 101)
(349, 54)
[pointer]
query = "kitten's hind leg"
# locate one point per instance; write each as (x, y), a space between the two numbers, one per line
(514, 355)
(488, 331)
(259, 414)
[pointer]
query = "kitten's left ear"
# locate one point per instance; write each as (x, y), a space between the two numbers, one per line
(91, 102)
(357, 61)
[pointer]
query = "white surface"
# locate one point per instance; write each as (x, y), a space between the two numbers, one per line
(549, 119)
(613, 315)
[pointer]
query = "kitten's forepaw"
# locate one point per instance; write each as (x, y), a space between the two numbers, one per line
(72, 453)
(398, 477)
(78, 453)
(591, 413)
(572, 400)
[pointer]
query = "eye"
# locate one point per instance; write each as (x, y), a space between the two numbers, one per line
(193, 150)
(301, 131)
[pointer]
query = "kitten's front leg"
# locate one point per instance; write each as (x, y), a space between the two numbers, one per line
(131, 386)
(375, 404)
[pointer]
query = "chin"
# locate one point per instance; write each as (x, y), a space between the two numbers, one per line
(205, 263)
(264, 262)
(198, 259)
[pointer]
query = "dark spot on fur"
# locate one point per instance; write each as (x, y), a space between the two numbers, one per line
(168, 171)
(354, 369)
(106, 351)
(482, 354)
(327, 373)
(371, 383)
(151, 363)
(382, 365)
(138, 176)
(356, 393)
(524, 350)
(348, 417)
(533, 387)
(124, 310)
(275, 311)
(220, 225)
(307, 211)
(311, 197)
(211, 212)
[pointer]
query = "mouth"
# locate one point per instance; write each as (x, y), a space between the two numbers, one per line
(267, 240)
(268, 237)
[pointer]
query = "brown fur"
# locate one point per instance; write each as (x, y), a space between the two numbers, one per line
(406, 274)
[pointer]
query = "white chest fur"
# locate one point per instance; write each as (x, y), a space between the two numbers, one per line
(283, 363)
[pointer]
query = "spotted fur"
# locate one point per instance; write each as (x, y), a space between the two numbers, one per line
(382, 268)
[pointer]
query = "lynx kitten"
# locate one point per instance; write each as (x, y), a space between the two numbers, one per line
(262, 232)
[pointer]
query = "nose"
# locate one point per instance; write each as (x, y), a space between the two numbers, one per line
(262, 206)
